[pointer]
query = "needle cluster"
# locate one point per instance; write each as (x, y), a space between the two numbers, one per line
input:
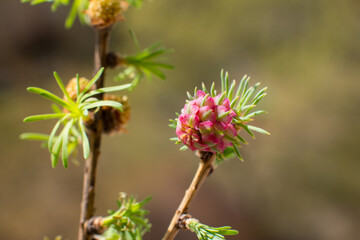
(72, 117)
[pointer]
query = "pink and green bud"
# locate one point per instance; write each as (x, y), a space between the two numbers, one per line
(210, 122)
(203, 124)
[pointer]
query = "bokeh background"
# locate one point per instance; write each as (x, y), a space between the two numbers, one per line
(302, 182)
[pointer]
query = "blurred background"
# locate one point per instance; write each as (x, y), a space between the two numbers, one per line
(302, 182)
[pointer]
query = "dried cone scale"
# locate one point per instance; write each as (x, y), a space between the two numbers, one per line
(104, 13)
(114, 120)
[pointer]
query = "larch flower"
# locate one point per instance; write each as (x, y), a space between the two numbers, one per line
(211, 122)
(205, 123)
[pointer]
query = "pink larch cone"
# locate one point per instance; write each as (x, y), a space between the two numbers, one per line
(205, 123)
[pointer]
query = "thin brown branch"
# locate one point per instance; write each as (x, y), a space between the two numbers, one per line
(204, 169)
(90, 168)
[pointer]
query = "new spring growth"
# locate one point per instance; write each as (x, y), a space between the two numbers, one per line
(147, 62)
(128, 222)
(211, 121)
(205, 232)
(72, 114)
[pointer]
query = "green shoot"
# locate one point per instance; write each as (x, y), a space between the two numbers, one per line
(76, 113)
(145, 63)
(205, 232)
(128, 222)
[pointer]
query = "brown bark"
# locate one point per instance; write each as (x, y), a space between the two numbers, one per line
(204, 169)
(90, 168)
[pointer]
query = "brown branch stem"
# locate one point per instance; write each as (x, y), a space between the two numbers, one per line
(204, 169)
(90, 169)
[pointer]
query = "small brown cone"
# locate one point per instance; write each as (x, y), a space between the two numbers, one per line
(105, 13)
(114, 120)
